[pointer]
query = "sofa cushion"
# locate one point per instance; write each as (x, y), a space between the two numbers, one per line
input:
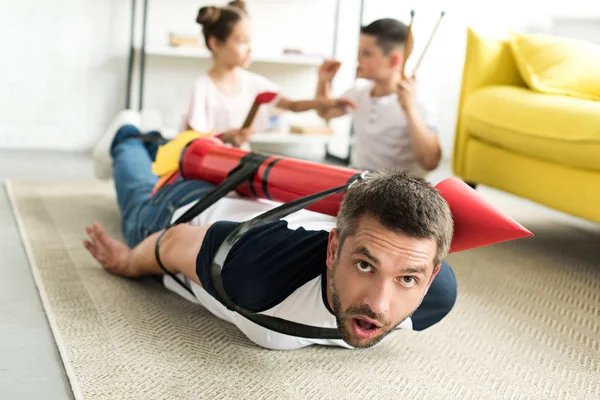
(560, 129)
(558, 65)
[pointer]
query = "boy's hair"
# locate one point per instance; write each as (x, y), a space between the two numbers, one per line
(389, 33)
(219, 22)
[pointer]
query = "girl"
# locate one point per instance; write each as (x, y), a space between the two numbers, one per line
(222, 97)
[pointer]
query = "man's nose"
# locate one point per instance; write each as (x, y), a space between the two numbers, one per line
(379, 298)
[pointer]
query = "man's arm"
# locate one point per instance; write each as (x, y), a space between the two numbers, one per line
(424, 141)
(179, 249)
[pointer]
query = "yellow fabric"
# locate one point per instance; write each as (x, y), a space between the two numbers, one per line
(558, 65)
(571, 190)
(487, 62)
(519, 150)
(561, 129)
(167, 157)
(162, 180)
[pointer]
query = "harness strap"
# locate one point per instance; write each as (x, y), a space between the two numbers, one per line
(246, 169)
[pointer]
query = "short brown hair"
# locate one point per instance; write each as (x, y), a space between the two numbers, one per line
(218, 22)
(403, 204)
(389, 33)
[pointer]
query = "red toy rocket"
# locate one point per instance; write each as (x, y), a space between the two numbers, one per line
(476, 222)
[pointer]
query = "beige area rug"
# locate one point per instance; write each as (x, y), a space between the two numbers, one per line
(526, 324)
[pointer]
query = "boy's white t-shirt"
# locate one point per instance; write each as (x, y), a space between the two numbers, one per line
(381, 139)
(211, 110)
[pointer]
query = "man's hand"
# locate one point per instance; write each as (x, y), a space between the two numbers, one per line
(407, 94)
(110, 253)
(328, 69)
(237, 137)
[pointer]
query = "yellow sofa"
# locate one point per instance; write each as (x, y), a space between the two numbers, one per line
(542, 147)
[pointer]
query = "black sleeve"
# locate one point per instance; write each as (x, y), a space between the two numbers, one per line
(266, 265)
(438, 301)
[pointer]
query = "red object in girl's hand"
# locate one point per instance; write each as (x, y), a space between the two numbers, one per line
(265, 97)
(261, 98)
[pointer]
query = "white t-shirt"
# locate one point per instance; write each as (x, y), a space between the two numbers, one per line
(282, 252)
(381, 139)
(211, 110)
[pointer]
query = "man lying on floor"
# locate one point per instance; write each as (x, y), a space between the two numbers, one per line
(376, 268)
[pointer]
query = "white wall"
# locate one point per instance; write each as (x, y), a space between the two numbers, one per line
(62, 71)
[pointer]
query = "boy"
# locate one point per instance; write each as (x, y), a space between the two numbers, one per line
(391, 129)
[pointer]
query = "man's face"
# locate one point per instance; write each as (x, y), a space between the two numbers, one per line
(377, 280)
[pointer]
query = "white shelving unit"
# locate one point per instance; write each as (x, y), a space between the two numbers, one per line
(191, 52)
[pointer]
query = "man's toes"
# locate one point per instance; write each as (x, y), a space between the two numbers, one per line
(91, 248)
(98, 243)
(101, 233)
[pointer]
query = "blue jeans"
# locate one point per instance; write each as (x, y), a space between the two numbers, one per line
(142, 215)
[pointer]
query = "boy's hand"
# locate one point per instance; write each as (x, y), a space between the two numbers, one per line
(344, 104)
(407, 94)
(328, 69)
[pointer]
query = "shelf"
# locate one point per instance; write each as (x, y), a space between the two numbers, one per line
(190, 52)
(288, 138)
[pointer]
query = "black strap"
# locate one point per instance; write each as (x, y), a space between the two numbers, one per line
(265, 178)
(162, 266)
(273, 323)
(246, 169)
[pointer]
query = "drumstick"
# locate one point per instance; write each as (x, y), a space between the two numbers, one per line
(409, 43)
(428, 42)
(262, 98)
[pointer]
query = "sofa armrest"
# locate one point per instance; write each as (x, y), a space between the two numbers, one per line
(487, 62)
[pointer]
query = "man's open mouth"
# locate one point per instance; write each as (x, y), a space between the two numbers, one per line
(365, 328)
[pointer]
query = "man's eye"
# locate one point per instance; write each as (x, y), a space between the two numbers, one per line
(363, 266)
(408, 281)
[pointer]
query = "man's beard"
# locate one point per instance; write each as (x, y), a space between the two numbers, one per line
(342, 317)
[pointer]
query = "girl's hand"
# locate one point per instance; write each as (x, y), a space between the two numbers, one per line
(237, 137)
(341, 103)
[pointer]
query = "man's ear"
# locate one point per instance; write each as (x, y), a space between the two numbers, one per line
(435, 272)
(332, 247)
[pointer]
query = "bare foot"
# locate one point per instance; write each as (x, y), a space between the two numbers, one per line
(110, 253)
